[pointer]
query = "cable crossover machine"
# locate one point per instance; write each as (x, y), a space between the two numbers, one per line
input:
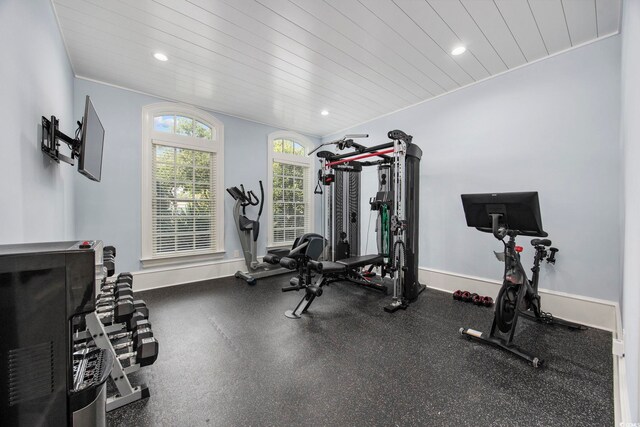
(397, 205)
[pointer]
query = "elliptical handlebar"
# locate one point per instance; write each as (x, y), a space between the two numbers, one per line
(261, 199)
(248, 198)
(252, 199)
(236, 194)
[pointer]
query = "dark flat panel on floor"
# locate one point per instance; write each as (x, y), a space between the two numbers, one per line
(229, 357)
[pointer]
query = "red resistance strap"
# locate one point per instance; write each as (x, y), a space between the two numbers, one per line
(362, 156)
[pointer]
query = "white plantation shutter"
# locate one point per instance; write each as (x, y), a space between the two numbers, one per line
(183, 201)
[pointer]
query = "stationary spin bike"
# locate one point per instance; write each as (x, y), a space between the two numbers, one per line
(512, 215)
(248, 232)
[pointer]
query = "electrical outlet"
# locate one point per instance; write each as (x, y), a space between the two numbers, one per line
(617, 347)
(236, 253)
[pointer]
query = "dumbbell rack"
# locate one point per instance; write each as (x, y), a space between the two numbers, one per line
(126, 392)
(101, 333)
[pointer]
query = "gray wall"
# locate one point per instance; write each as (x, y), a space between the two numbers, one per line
(110, 210)
(37, 80)
(631, 145)
(553, 127)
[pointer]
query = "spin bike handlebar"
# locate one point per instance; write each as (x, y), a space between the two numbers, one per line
(500, 232)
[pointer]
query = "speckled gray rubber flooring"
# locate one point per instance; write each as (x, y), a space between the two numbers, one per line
(229, 357)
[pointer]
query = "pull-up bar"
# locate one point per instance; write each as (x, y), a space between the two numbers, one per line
(362, 156)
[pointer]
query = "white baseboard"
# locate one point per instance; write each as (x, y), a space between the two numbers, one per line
(620, 390)
(153, 278)
(592, 312)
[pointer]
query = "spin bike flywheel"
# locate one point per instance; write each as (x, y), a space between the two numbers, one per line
(506, 306)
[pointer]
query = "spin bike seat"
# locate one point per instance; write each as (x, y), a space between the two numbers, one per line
(543, 242)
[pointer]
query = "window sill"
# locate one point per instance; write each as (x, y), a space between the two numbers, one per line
(181, 259)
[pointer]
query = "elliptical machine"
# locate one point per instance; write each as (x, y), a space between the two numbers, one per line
(508, 215)
(248, 232)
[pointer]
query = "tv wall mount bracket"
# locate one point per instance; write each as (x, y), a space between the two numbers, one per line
(51, 136)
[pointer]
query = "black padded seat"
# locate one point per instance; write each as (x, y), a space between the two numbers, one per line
(361, 261)
(329, 267)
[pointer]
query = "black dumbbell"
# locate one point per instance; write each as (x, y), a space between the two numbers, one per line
(144, 323)
(133, 341)
(120, 289)
(132, 322)
(108, 301)
(141, 307)
(108, 260)
(136, 334)
(142, 348)
(112, 283)
(145, 353)
(111, 286)
(107, 298)
(123, 291)
(125, 279)
(137, 321)
(110, 249)
(118, 311)
(142, 333)
(110, 266)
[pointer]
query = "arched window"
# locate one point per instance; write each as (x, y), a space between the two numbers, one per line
(290, 187)
(182, 215)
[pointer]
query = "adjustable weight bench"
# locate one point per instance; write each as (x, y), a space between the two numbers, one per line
(344, 270)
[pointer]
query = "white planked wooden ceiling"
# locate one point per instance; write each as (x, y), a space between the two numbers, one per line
(282, 62)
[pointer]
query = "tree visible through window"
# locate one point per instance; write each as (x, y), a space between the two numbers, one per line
(289, 202)
(290, 199)
(181, 125)
(182, 203)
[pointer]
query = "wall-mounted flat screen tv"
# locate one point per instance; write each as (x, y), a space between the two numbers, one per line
(91, 143)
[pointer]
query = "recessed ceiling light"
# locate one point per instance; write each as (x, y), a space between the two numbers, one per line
(160, 56)
(458, 50)
(324, 112)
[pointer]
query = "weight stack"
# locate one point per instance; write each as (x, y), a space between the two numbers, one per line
(344, 212)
